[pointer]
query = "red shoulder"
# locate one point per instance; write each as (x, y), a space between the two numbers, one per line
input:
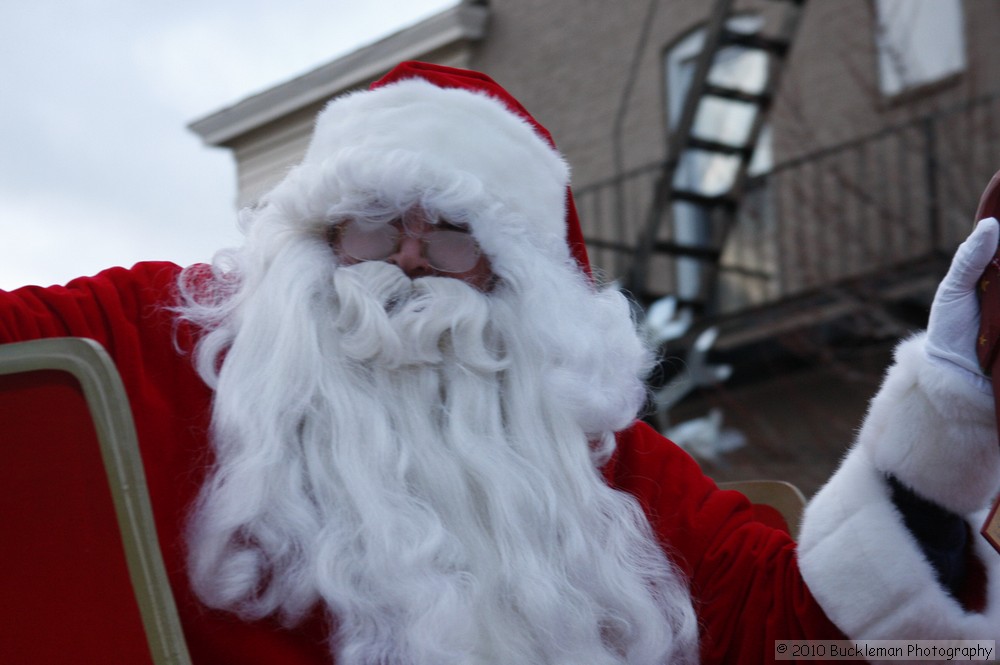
(737, 567)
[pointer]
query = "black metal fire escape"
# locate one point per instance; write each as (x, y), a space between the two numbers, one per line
(717, 209)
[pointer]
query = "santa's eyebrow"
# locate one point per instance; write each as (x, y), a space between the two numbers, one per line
(453, 226)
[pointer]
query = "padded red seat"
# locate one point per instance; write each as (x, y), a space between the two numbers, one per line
(80, 570)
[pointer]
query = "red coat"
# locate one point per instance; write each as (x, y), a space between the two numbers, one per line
(744, 577)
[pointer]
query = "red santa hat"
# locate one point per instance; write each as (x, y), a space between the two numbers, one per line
(459, 122)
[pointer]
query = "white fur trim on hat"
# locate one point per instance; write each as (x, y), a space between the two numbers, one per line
(411, 136)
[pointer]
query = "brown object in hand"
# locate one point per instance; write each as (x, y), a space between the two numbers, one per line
(991, 528)
(988, 341)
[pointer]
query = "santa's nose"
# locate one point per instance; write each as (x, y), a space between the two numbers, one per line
(409, 257)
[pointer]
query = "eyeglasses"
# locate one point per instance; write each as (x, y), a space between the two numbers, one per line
(447, 248)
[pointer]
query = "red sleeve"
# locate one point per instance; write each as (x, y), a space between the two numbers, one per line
(106, 307)
(744, 576)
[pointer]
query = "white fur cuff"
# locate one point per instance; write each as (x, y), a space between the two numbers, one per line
(868, 573)
(934, 431)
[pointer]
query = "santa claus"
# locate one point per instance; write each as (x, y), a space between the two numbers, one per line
(398, 426)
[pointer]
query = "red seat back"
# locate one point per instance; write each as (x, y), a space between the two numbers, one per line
(69, 595)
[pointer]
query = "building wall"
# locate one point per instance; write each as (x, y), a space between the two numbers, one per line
(595, 77)
(570, 62)
(573, 61)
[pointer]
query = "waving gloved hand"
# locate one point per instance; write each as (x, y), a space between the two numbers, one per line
(933, 423)
(954, 320)
(881, 543)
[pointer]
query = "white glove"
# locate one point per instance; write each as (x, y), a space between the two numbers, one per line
(954, 318)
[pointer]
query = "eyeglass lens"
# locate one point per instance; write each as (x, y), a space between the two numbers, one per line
(446, 249)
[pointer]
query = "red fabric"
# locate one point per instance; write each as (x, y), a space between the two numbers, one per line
(744, 578)
(972, 595)
(450, 77)
(49, 464)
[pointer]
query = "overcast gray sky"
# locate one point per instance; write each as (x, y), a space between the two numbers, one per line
(97, 166)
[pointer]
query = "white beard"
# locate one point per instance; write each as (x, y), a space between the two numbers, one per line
(421, 460)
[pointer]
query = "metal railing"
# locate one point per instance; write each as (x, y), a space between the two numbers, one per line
(863, 207)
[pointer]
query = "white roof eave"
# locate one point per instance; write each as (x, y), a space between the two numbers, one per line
(458, 23)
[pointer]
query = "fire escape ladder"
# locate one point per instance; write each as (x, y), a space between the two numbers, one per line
(691, 143)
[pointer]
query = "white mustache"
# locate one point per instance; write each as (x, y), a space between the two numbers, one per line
(385, 315)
